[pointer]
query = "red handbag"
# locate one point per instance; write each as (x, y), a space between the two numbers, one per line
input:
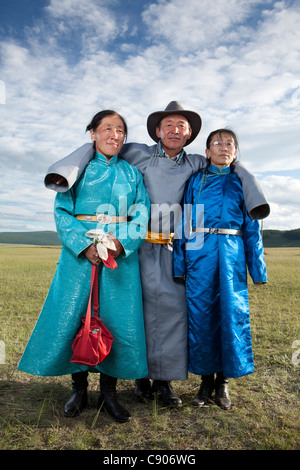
(93, 341)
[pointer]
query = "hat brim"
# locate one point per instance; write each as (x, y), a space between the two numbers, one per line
(193, 118)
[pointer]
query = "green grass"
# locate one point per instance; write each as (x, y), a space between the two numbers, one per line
(265, 412)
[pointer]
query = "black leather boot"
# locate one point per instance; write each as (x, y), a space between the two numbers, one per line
(205, 391)
(108, 400)
(222, 397)
(143, 390)
(78, 400)
(165, 393)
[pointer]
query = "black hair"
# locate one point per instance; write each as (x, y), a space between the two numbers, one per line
(219, 132)
(96, 121)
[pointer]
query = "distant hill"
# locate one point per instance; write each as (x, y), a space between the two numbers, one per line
(46, 238)
(271, 238)
(278, 238)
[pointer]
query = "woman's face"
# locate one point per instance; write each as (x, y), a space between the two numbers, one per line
(222, 150)
(109, 136)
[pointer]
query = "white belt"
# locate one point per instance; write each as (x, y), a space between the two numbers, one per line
(218, 231)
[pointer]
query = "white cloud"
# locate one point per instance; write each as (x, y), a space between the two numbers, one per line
(92, 14)
(283, 192)
(282, 217)
(195, 24)
(236, 63)
(25, 202)
(276, 187)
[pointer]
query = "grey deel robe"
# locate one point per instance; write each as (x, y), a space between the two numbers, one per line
(163, 296)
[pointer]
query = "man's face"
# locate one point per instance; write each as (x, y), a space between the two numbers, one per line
(174, 131)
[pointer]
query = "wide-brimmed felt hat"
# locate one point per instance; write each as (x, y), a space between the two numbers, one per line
(174, 108)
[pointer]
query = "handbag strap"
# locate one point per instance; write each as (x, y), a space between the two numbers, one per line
(94, 294)
(95, 284)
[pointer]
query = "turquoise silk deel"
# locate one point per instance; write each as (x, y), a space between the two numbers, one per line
(115, 188)
(215, 268)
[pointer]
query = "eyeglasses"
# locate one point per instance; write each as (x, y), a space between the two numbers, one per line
(230, 145)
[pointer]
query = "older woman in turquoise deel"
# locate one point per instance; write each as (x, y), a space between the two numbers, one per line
(111, 185)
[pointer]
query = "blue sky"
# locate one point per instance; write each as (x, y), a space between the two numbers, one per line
(235, 62)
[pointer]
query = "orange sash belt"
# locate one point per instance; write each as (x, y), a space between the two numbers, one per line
(161, 238)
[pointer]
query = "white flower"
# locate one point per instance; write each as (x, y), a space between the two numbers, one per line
(102, 242)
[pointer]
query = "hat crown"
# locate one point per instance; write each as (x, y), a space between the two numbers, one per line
(174, 106)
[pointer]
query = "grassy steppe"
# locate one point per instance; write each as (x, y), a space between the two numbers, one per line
(265, 412)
